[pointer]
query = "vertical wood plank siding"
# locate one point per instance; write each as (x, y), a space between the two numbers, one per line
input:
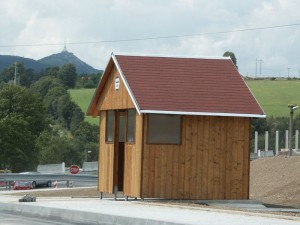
(133, 162)
(212, 161)
(106, 159)
(112, 99)
(109, 100)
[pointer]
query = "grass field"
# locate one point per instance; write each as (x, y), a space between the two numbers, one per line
(83, 98)
(273, 96)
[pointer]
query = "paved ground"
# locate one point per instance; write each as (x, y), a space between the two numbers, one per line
(108, 211)
(11, 218)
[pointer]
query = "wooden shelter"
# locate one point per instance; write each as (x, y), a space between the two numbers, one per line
(174, 128)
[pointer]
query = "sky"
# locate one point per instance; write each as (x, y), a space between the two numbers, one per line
(92, 30)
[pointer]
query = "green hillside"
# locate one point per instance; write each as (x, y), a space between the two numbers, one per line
(273, 96)
(83, 98)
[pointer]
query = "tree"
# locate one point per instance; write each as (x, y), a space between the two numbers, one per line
(56, 146)
(87, 134)
(22, 119)
(52, 71)
(51, 100)
(25, 77)
(44, 84)
(77, 118)
(8, 73)
(58, 103)
(232, 56)
(67, 74)
(69, 113)
(90, 81)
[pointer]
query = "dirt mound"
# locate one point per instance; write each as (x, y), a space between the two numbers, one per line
(276, 180)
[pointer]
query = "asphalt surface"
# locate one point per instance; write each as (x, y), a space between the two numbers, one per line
(11, 218)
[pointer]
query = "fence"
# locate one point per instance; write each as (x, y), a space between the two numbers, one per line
(51, 168)
(277, 151)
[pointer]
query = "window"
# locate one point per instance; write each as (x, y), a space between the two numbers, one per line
(164, 129)
(110, 122)
(130, 133)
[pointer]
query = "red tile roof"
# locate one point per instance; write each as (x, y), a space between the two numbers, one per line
(185, 86)
(188, 85)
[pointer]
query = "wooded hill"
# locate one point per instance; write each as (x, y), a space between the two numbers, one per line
(54, 60)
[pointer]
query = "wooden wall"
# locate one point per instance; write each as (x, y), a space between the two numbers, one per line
(133, 162)
(106, 160)
(211, 163)
(109, 99)
(112, 99)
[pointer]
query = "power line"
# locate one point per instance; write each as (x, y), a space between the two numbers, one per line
(152, 38)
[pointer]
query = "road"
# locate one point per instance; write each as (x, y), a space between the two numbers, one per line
(11, 218)
(63, 184)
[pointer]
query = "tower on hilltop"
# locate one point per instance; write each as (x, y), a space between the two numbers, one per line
(65, 47)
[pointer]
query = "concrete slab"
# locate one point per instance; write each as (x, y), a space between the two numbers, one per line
(245, 204)
(96, 211)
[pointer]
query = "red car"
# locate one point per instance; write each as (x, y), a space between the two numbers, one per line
(2, 183)
(22, 185)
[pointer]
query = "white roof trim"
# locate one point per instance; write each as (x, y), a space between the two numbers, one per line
(126, 83)
(176, 56)
(203, 113)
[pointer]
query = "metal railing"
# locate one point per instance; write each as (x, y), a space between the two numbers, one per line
(8, 178)
(52, 177)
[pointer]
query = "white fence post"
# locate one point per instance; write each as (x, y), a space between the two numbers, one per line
(255, 142)
(286, 139)
(277, 143)
(266, 140)
(296, 139)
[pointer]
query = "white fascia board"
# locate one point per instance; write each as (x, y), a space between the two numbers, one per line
(126, 83)
(203, 113)
(176, 56)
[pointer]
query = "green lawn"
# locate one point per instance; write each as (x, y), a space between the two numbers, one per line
(273, 96)
(83, 98)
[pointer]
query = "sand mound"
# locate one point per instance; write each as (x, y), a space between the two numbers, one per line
(276, 180)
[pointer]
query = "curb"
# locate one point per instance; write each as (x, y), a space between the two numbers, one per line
(77, 216)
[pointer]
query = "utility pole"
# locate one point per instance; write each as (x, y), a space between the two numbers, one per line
(292, 108)
(288, 72)
(15, 75)
(260, 62)
(256, 68)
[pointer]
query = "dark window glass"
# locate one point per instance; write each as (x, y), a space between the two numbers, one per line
(110, 122)
(130, 126)
(164, 129)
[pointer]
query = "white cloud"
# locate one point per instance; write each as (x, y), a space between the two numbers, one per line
(52, 22)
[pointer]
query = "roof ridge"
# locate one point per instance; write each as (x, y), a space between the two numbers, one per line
(173, 56)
